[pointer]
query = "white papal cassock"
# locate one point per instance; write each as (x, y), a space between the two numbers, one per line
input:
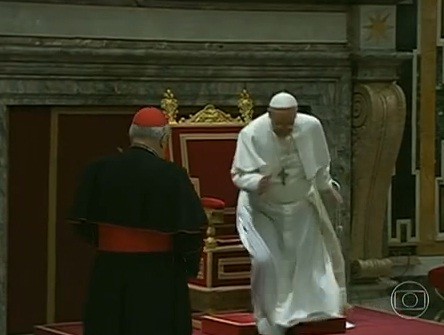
(298, 270)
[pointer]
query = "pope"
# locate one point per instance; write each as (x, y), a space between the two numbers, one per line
(282, 168)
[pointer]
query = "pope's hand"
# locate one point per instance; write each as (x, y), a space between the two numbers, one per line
(337, 196)
(334, 197)
(264, 183)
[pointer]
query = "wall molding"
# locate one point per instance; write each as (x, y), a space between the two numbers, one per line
(171, 24)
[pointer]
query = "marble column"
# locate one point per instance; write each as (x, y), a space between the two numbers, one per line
(379, 111)
(3, 213)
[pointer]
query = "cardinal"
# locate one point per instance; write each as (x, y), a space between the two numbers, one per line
(145, 219)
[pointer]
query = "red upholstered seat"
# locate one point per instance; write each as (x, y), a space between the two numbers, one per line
(436, 278)
(212, 203)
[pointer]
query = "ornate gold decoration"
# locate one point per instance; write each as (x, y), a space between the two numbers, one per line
(371, 268)
(379, 112)
(200, 275)
(169, 104)
(209, 114)
(210, 241)
(378, 27)
(214, 217)
(245, 105)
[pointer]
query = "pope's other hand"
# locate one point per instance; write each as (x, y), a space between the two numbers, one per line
(264, 184)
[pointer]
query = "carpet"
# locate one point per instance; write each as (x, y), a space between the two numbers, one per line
(368, 322)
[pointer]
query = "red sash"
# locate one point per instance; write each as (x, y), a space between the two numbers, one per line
(122, 239)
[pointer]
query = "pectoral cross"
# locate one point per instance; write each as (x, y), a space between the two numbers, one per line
(283, 176)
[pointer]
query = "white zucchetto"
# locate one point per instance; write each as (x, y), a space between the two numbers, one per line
(283, 100)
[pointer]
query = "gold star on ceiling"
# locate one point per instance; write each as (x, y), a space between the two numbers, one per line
(378, 27)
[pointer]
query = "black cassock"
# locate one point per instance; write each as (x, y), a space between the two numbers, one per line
(140, 293)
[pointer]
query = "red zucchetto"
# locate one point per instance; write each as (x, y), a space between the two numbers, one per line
(150, 117)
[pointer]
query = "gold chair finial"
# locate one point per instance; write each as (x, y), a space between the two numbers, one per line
(209, 114)
(245, 105)
(169, 104)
